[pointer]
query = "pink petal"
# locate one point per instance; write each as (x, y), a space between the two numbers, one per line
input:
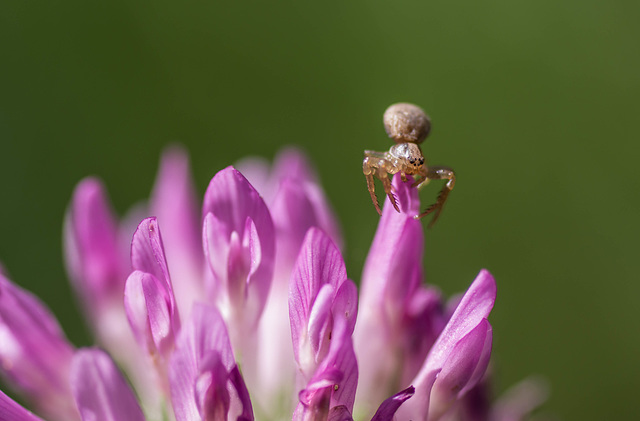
(100, 391)
(211, 395)
(34, 354)
(297, 203)
(91, 247)
(232, 202)
(147, 256)
(12, 411)
(392, 279)
(147, 251)
(175, 204)
(203, 341)
(393, 268)
(319, 263)
(463, 369)
(335, 380)
(148, 306)
(473, 309)
(389, 407)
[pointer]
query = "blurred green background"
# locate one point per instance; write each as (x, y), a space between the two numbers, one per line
(534, 103)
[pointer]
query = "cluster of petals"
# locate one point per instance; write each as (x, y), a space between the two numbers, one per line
(240, 308)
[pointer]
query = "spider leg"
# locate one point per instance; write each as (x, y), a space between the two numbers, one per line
(438, 173)
(368, 167)
(386, 183)
(421, 180)
(375, 164)
(372, 191)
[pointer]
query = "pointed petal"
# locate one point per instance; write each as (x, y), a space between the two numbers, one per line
(391, 280)
(101, 392)
(319, 263)
(474, 308)
(147, 251)
(12, 411)
(175, 204)
(463, 369)
(389, 407)
(93, 257)
(394, 264)
(297, 203)
(34, 354)
(232, 201)
(147, 256)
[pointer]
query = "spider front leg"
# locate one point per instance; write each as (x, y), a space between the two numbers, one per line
(438, 173)
(375, 164)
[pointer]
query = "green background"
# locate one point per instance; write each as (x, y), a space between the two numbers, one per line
(534, 103)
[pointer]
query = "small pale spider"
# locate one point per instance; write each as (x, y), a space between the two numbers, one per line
(407, 125)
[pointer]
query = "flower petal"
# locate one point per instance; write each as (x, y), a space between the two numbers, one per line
(463, 369)
(335, 380)
(147, 251)
(389, 407)
(12, 411)
(173, 201)
(34, 354)
(92, 252)
(232, 201)
(319, 263)
(296, 202)
(148, 306)
(203, 339)
(212, 397)
(474, 308)
(100, 391)
(390, 288)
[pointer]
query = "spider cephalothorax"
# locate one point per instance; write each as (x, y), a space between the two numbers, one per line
(408, 125)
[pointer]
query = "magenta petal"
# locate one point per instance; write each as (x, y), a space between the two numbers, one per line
(91, 245)
(100, 391)
(296, 207)
(345, 304)
(466, 364)
(232, 202)
(175, 204)
(149, 310)
(203, 335)
(335, 380)
(319, 263)
(147, 251)
(389, 407)
(34, 354)
(12, 411)
(474, 308)
(319, 318)
(212, 397)
(387, 330)
(292, 164)
(394, 264)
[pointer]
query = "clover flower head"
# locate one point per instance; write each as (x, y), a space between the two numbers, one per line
(241, 308)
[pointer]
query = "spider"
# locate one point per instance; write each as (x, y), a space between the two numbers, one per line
(408, 125)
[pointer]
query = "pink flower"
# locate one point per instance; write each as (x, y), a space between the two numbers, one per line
(245, 311)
